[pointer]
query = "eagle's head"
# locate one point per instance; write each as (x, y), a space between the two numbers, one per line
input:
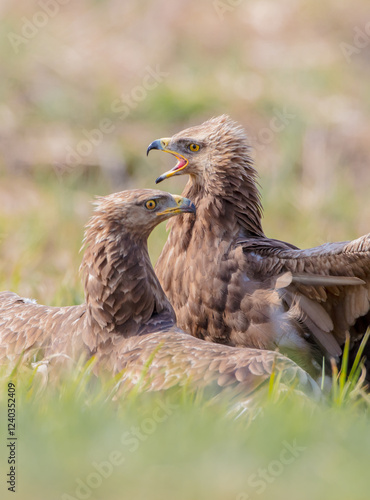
(211, 148)
(136, 212)
(216, 157)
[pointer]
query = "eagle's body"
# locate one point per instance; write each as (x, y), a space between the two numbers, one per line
(127, 323)
(231, 284)
(214, 289)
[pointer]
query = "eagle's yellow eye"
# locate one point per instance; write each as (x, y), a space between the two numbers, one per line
(194, 147)
(151, 204)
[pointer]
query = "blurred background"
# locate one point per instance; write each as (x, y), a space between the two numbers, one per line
(86, 86)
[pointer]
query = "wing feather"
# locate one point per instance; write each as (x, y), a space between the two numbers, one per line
(330, 284)
(175, 357)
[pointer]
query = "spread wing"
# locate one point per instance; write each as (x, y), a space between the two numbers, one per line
(328, 286)
(27, 327)
(164, 359)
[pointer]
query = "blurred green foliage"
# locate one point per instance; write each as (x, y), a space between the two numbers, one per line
(176, 444)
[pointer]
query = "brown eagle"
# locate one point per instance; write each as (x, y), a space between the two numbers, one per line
(229, 283)
(127, 322)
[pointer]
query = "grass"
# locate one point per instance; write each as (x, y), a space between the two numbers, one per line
(76, 441)
(350, 388)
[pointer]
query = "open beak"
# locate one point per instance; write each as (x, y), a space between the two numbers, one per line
(161, 144)
(183, 205)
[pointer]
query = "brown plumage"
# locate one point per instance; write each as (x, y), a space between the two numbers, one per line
(127, 322)
(231, 284)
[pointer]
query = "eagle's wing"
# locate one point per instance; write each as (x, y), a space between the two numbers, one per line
(328, 286)
(27, 327)
(164, 359)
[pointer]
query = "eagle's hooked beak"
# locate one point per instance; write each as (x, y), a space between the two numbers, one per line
(162, 145)
(183, 205)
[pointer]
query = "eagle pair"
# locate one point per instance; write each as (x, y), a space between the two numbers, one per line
(240, 294)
